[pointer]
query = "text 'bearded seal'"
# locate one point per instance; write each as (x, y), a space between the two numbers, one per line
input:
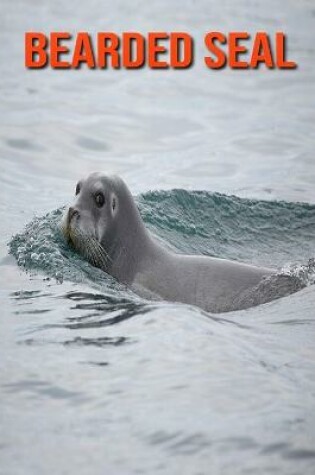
(105, 226)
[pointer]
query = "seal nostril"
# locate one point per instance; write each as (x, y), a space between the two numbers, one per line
(72, 212)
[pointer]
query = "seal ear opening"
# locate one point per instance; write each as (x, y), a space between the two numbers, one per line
(114, 204)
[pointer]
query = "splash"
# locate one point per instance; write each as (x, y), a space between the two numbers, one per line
(41, 247)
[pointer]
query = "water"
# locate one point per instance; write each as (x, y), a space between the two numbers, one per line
(93, 378)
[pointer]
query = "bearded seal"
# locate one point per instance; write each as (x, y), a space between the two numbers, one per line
(104, 225)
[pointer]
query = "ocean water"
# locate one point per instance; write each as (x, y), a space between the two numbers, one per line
(94, 379)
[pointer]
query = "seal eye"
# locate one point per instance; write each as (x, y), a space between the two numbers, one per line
(77, 189)
(99, 199)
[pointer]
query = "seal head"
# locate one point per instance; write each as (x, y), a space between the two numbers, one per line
(104, 226)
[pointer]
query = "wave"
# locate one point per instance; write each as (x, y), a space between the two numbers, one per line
(269, 233)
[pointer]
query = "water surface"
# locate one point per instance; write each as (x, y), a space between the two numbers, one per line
(93, 378)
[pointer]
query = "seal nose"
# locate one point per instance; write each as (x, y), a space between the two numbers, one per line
(72, 212)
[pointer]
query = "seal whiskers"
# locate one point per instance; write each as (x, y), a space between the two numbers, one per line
(90, 248)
